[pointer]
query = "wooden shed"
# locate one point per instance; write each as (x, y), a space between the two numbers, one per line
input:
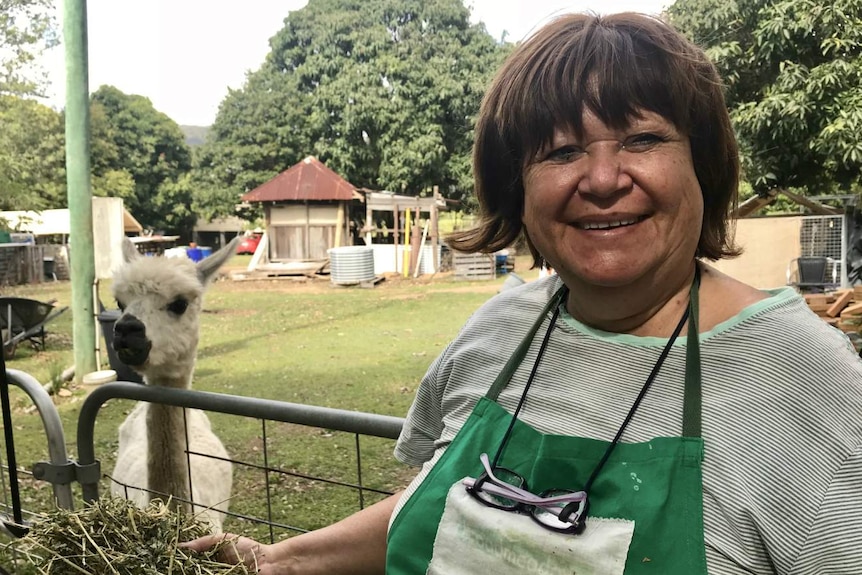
(306, 210)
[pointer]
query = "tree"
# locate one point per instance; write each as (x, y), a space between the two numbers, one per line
(27, 28)
(136, 153)
(109, 176)
(382, 91)
(32, 175)
(33, 160)
(254, 137)
(794, 75)
(132, 137)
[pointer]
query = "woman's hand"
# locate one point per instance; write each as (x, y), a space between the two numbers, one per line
(235, 549)
(355, 545)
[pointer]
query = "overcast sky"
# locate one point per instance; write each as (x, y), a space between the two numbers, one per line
(184, 54)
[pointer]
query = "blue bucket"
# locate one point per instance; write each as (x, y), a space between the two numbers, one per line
(195, 254)
(205, 251)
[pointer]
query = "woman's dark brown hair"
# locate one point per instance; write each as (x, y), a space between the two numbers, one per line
(614, 66)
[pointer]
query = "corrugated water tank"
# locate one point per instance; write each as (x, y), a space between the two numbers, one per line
(351, 264)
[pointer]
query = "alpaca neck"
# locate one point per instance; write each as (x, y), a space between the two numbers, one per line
(177, 380)
(167, 461)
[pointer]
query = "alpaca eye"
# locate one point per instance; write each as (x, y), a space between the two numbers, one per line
(178, 306)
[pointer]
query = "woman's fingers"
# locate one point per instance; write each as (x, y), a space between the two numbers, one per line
(206, 542)
(232, 548)
(242, 549)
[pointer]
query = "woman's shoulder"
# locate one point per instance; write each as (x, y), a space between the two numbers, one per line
(727, 303)
(527, 299)
(778, 330)
(511, 311)
(723, 298)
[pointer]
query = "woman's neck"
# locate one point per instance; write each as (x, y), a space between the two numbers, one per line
(651, 306)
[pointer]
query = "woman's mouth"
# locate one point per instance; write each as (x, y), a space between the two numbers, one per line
(609, 224)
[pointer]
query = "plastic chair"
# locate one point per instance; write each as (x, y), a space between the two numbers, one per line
(811, 273)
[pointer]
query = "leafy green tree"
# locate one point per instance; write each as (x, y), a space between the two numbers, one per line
(254, 137)
(32, 175)
(794, 75)
(32, 157)
(173, 202)
(132, 140)
(110, 178)
(113, 183)
(27, 28)
(382, 91)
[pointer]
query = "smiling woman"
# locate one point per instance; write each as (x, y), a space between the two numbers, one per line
(604, 416)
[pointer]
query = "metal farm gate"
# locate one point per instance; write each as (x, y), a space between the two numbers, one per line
(328, 420)
(58, 470)
(272, 479)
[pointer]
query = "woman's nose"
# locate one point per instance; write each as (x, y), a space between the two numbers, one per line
(604, 170)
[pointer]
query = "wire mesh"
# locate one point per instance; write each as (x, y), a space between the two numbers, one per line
(825, 236)
(822, 236)
(276, 493)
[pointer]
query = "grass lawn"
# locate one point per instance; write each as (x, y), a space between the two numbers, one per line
(300, 341)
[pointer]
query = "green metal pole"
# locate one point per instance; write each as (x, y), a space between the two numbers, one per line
(82, 262)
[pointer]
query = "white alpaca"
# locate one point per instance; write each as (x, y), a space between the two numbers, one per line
(157, 335)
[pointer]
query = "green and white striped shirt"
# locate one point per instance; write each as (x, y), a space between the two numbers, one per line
(782, 418)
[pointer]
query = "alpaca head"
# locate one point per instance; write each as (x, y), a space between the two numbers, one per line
(157, 333)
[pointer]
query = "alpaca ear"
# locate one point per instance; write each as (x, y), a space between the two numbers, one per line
(208, 266)
(130, 252)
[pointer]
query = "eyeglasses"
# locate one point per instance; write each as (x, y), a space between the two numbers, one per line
(559, 510)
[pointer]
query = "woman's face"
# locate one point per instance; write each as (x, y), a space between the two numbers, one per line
(614, 206)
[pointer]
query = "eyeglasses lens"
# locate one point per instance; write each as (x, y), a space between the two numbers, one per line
(548, 519)
(549, 516)
(504, 476)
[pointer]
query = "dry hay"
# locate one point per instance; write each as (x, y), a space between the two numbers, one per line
(114, 537)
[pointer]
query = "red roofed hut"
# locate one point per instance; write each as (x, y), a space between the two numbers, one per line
(307, 211)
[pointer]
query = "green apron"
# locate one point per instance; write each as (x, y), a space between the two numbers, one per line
(657, 485)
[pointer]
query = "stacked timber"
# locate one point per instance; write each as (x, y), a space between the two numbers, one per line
(842, 308)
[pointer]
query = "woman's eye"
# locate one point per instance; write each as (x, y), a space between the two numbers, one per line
(178, 306)
(564, 154)
(642, 142)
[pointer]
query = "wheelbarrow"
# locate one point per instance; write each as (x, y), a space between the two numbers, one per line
(24, 319)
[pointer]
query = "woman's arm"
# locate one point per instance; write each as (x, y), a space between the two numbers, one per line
(355, 545)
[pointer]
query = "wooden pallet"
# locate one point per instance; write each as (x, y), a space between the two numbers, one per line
(372, 282)
(474, 266)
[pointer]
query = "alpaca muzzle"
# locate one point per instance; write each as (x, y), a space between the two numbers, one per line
(130, 341)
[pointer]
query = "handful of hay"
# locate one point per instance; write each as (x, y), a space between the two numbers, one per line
(112, 536)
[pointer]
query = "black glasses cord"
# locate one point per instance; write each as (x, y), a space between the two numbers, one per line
(539, 355)
(636, 404)
(567, 511)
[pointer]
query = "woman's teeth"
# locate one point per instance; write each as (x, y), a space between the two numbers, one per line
(606, 225)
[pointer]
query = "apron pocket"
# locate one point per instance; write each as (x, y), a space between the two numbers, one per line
(473, 538)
